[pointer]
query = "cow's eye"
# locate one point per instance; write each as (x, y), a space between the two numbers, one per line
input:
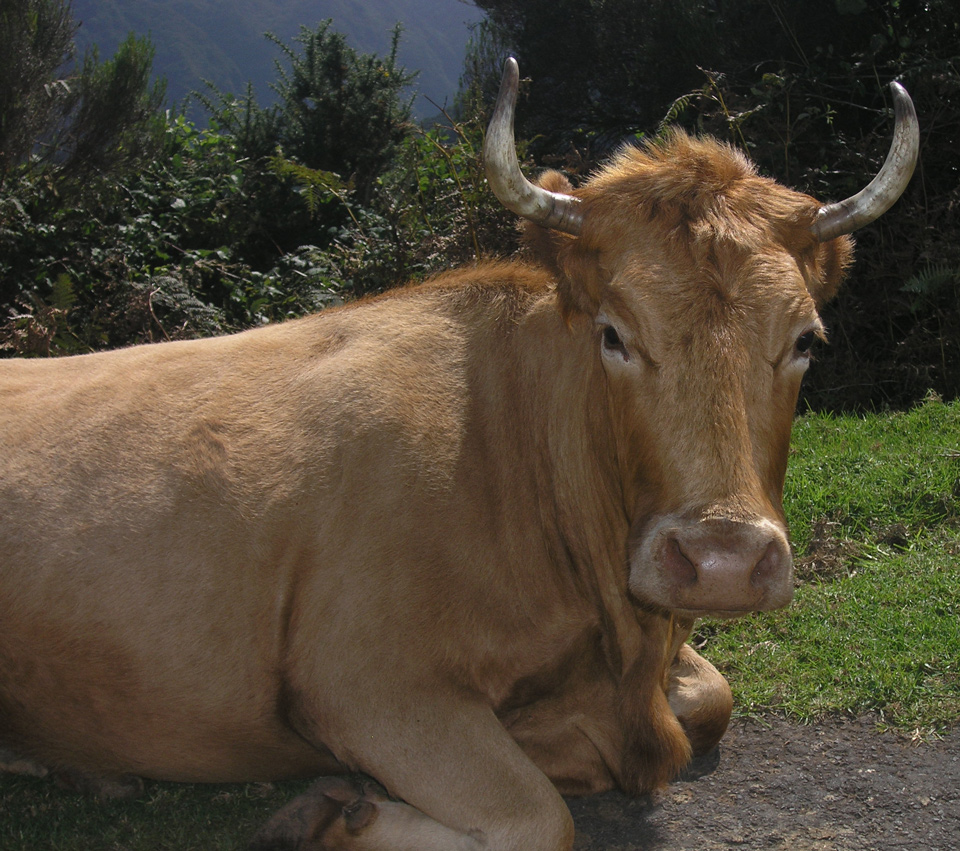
(611, 339)
(805, 342)
(613, 343)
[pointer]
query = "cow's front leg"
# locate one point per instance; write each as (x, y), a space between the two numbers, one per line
(460, 783)
(578, 739)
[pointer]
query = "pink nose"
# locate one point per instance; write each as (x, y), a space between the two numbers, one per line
(722, 566)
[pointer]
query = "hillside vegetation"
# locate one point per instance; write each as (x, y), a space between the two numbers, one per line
(160, 229)
(177, 227)
(223, 40)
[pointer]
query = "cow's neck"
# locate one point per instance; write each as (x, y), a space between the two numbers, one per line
(576, 453)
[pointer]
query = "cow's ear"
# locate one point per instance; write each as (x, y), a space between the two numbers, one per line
(573, 264)
(545, 245)
(580, 281)
(831, 262)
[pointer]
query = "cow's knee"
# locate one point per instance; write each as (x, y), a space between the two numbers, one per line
(551, 829)
(400, 827)
(350, 815)
(700, 697)
(341, 814)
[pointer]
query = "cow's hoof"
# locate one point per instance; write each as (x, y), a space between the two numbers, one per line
(15, 764)
(324, 817)
(124, 787)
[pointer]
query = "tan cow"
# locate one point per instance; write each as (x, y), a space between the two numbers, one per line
(454, 537)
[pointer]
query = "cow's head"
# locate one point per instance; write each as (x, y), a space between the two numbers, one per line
(702, 281)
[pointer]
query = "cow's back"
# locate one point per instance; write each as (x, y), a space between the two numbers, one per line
(168, 512)
(158, 504)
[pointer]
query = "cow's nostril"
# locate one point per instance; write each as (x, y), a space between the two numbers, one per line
(768, 566)
(678, 566)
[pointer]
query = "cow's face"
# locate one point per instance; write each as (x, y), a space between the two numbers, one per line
(704, 301)
(703, 382)
(699, 282)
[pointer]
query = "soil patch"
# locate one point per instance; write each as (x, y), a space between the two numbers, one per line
(838, 785)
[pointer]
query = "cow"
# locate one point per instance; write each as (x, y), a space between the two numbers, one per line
(441, 548)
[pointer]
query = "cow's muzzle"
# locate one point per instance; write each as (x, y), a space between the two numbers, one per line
(713, 566)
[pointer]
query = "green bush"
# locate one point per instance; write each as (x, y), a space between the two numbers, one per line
(189, 245)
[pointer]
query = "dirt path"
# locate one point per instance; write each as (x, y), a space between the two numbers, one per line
(833, 786)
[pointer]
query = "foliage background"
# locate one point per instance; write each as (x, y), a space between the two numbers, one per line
(802, 87)
(270, 211)
(180, 228)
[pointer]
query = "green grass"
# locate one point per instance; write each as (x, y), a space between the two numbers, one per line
(874, 504)
(883, 639)
(867, 475)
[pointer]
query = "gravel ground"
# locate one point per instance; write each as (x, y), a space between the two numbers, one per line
(838, 785)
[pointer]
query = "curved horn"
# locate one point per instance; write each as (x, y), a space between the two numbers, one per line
(515, 192)
(870, 203)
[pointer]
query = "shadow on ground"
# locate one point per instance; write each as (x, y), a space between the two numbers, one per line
(832, 786)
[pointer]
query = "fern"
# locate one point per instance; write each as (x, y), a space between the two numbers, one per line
(314, 185)
(928, 287)
(932, 279)
(169, 298)
(677, 108)
(63, 296)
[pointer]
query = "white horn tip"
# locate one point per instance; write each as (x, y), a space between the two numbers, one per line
(881, 193)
